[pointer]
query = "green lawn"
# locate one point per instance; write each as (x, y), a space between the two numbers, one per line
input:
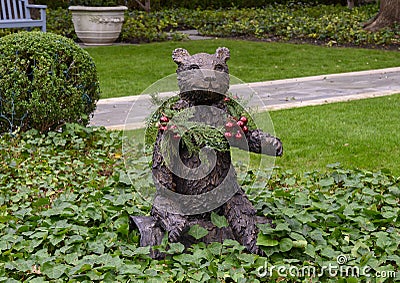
(359, 134)
(130, 69)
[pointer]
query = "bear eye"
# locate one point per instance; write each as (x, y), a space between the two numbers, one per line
(219, 68)
(194, 67)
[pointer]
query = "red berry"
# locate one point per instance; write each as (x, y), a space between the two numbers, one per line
(228, 135)
(164, 119)
(176, 136)
(244, 119)
(240, 123)
(226, 99)
(245, 129)
(229, 125)
(172, 127)
(163, 128)
(238, 135)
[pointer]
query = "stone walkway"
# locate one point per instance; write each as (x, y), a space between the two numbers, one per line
(130, 112)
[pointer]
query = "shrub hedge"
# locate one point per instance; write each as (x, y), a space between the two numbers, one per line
(46, 80)
(157, 5)
(140, 26)
(330, 24)
(217, 4)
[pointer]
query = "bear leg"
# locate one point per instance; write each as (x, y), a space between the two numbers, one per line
(241, 217)
(174, 224)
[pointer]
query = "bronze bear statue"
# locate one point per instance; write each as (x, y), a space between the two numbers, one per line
(191, 185)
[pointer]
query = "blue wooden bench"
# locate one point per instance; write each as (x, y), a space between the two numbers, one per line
(17, 14)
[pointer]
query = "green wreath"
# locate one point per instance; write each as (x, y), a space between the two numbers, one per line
(199, 135)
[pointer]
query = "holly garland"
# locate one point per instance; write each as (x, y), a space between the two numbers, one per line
(197, 135)
(152, 123)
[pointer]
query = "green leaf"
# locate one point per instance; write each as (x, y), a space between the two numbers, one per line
(283, 226)
(219, 220)
(297, 236)
(247, 258)
(184, 258)
(266, 229)
(302, 199)
(290, 212)
(383, 240)
(326, 182)
(215, 248)
(55, 239)
(300, 244)
(329, 252)
(310, 250)
(52, 270)
(266, 241)
(142, 251)
(285, 245)
(348, 211)
(197, 232)
(176, 248)
(305, 217)
(360, 248)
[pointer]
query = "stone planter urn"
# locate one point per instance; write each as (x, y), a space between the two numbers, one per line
(97, 25)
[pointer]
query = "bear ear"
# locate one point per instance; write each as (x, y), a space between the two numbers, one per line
(223, 53)
(179, 55)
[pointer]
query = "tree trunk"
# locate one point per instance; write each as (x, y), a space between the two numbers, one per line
(145, 6)
(350, 4)
(389, 13)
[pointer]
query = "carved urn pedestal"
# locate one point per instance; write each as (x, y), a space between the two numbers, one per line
(97, 25)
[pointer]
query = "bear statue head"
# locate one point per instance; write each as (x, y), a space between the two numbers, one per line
(202, 77)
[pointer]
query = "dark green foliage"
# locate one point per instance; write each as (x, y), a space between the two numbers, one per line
(97, 3)
(217, 4)
(320, 217)
(46, 80)
(140, 26)
(326, 24)
(53, 4)
(59, 21)
(65, 200)
(189, 4)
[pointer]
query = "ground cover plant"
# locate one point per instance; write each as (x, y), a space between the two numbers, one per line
(129, 70)
(65, 199)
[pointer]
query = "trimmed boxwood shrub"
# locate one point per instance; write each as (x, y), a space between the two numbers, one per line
(46, 80)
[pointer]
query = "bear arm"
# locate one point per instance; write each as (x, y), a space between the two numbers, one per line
(264, 143)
